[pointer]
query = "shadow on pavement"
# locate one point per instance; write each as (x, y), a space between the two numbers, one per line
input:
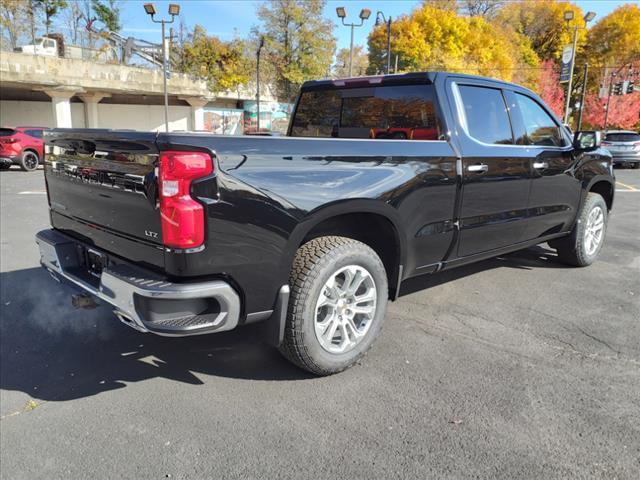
(51, 351)
(534, 257)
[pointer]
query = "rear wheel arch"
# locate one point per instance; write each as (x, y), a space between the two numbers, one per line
(361, 221)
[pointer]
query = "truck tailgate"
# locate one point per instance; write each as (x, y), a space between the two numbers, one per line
(102, 189)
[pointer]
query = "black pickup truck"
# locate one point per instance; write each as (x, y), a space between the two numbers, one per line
(379, 179)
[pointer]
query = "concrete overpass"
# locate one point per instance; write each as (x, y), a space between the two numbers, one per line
(97, 95)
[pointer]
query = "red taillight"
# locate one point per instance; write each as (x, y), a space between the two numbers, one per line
(182, 217)
(606, 143)
(8, 140)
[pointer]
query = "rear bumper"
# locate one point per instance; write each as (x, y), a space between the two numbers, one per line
(8, 159)
(140, 298)
(625, 157)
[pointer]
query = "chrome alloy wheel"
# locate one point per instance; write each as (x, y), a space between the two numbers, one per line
(594, 230)
(345, 309)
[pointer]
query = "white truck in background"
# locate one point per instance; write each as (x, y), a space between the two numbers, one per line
(53, 45)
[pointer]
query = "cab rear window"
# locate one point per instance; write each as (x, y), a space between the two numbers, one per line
(622, 137)
(405, 112)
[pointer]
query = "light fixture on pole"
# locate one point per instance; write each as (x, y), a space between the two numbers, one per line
(365, 13)
(568, 16)
(174, 10)
(380, 19)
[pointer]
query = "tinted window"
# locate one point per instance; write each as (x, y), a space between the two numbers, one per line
(486, 114)
(34, 133)
(6, 132)
(540, 128)
(389, 112)
(317, 114)
(406, 112)
(622, 137)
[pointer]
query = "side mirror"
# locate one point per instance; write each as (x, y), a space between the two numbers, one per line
(587, 140)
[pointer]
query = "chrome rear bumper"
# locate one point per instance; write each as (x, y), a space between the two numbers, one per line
(140, 298)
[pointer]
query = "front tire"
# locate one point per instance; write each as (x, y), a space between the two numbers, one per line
(29, 161)
(583, 246)
(338, 302)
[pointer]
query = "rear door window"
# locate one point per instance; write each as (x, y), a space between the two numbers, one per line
(540, 128)
(486, 114)
(405, 112)
(34, 133)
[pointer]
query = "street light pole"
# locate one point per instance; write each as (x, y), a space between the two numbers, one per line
(568, 16)
(174, 10)
(573, 61)
(351, 51)
(164, 79)
(342, 14)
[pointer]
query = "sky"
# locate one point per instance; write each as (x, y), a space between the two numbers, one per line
(227, 18)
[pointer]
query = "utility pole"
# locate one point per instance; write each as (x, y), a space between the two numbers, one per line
(380, 18)
(258, 83)
(582, 96)
(612, 77)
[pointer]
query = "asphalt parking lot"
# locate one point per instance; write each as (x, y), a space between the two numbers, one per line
(517, 367)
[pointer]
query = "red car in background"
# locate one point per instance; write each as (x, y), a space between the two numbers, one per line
(22, 146)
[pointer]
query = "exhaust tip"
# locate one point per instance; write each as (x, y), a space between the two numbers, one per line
(83, 300)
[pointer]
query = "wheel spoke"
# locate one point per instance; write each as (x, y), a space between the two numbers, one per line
(330, 332)
(367, 309)
(355, 283)
(343, 318)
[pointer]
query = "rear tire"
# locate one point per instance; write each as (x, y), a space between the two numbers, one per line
(338, 302)
(583, 246)
(29, 161)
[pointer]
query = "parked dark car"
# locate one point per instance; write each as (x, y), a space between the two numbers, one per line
(22, 146)
(624, 146)
(312, 233)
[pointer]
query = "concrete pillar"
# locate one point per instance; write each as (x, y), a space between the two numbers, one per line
(197, 110)
(91, 101)
(61, 107)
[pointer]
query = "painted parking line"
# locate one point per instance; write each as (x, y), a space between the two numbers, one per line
(628, 187)
(29, 192)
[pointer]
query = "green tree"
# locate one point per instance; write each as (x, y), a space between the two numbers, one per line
(108, 13)
(223, 65)
(50, 9)
(360, 62)
(299, 42)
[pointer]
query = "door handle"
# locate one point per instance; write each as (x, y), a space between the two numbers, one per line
(539, 165)
(478, 167)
